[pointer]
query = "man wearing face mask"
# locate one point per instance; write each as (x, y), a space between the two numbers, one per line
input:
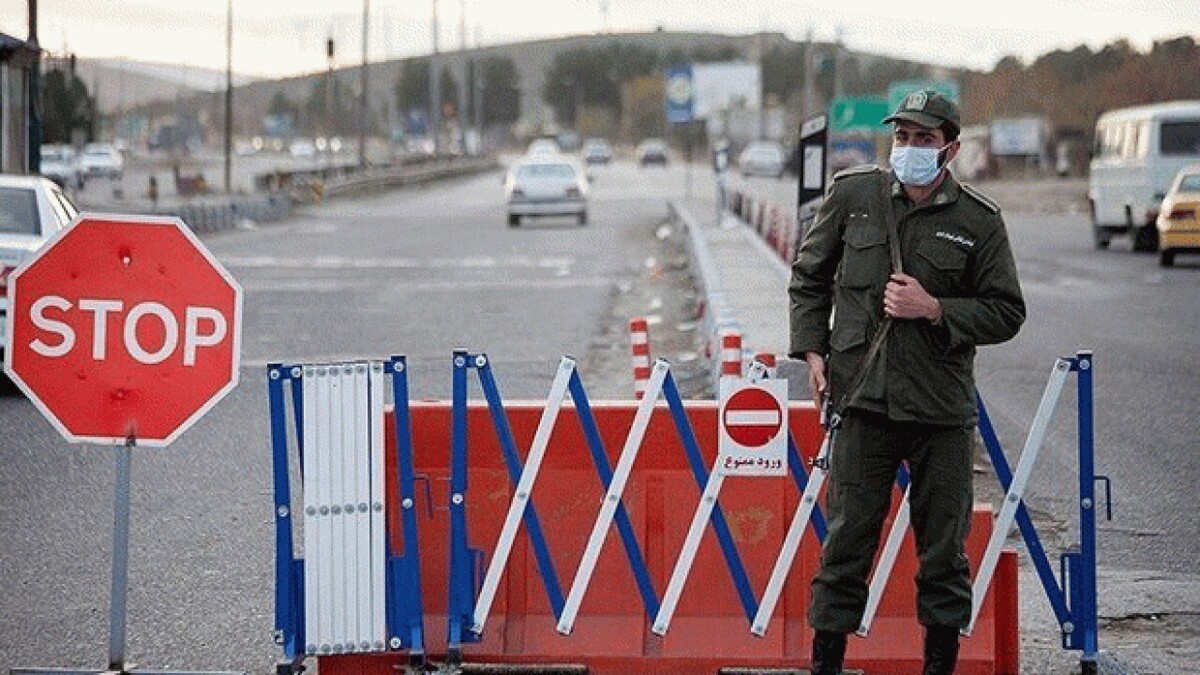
(919, 270)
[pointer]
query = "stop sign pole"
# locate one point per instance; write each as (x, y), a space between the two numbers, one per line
(124, 330)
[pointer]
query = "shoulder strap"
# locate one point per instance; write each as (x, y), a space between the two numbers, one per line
(893, 229)
(881, 333)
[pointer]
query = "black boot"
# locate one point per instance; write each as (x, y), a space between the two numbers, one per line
(941, 650)
(828, 650)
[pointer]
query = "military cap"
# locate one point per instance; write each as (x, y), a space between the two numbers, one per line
(927, 108)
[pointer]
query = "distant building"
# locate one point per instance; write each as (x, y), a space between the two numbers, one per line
(17, 61)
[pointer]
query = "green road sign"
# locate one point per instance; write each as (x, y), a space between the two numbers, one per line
(858, 113)
(901, 88)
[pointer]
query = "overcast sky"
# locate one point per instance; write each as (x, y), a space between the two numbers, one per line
(287, 37)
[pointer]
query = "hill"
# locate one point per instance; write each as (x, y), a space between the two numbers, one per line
(122, 84)
(1068, 87)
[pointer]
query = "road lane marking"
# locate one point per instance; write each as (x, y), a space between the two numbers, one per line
(359, 263)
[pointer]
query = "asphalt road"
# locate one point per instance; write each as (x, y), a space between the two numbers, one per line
(416, 272)
(423, 271)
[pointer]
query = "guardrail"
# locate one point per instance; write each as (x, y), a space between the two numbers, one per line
(717, 311)
(227, 214)
(781, 231)
(315, 185)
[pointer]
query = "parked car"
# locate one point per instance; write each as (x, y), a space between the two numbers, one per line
(652, 151)
(32, 210)
(102, 159)
(546, 185)
(1179, 218)
(597, 151)
(762, 158)
(61, 165)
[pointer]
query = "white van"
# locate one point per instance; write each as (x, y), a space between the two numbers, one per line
(1136, 153)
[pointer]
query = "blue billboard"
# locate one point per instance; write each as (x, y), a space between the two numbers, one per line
(680, 94)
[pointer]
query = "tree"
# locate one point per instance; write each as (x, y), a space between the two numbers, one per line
(449, 87)
(282, 116)
(67, 108)
(501, 90)
(331, 108)
(783, 70)
(643, 108)
(592, 77)
(412, 87)
(281, 105)
(715, 53)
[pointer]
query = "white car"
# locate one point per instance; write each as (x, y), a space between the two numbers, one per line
(652, 151)
(597, 151)
(762, 158)
(61, 165)
(546, 185)
(32, 210)
(302, 147)
(102, 159)
(542, 147)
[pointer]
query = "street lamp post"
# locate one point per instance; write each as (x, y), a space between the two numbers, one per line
(362, 101)
(34, 155)
(435, 88)
(228, 95)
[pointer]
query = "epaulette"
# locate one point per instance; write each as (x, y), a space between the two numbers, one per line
(980, 197)
(856, 170)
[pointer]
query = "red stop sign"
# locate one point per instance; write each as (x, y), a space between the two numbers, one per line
(752, 417)
(124, 326)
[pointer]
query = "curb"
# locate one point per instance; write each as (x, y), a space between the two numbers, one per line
(718, 312)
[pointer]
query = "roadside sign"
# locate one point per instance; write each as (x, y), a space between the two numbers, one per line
(859, 113)
(901, 88)
(124, 327)
(752, 436)
(680, 94)
(814, 139)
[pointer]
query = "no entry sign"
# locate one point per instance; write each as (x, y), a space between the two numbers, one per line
(753, 429)
(124, 327)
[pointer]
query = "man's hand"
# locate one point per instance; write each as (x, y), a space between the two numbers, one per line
(905, 298)
(817, 384)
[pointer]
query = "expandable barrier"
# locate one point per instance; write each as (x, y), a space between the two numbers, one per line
(663, 595)
(356, 590)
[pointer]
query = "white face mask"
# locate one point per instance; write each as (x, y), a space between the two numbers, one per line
(916, 166)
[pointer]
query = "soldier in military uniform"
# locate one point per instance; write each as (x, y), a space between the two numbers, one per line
(904, 393)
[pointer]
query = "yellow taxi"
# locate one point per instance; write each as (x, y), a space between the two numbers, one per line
(1179, 217)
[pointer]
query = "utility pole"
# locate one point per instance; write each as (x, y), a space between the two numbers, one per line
(328, 118)
(838, 83)
(464, 87)
(228, 95)
(462, 25)
(435, 88)
(809, 89)
(34, 154)
(362, 97)
(762, 83)
(477, 95)
(477, 82)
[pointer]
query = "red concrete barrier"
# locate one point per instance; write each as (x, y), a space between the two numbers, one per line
(612, 634)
